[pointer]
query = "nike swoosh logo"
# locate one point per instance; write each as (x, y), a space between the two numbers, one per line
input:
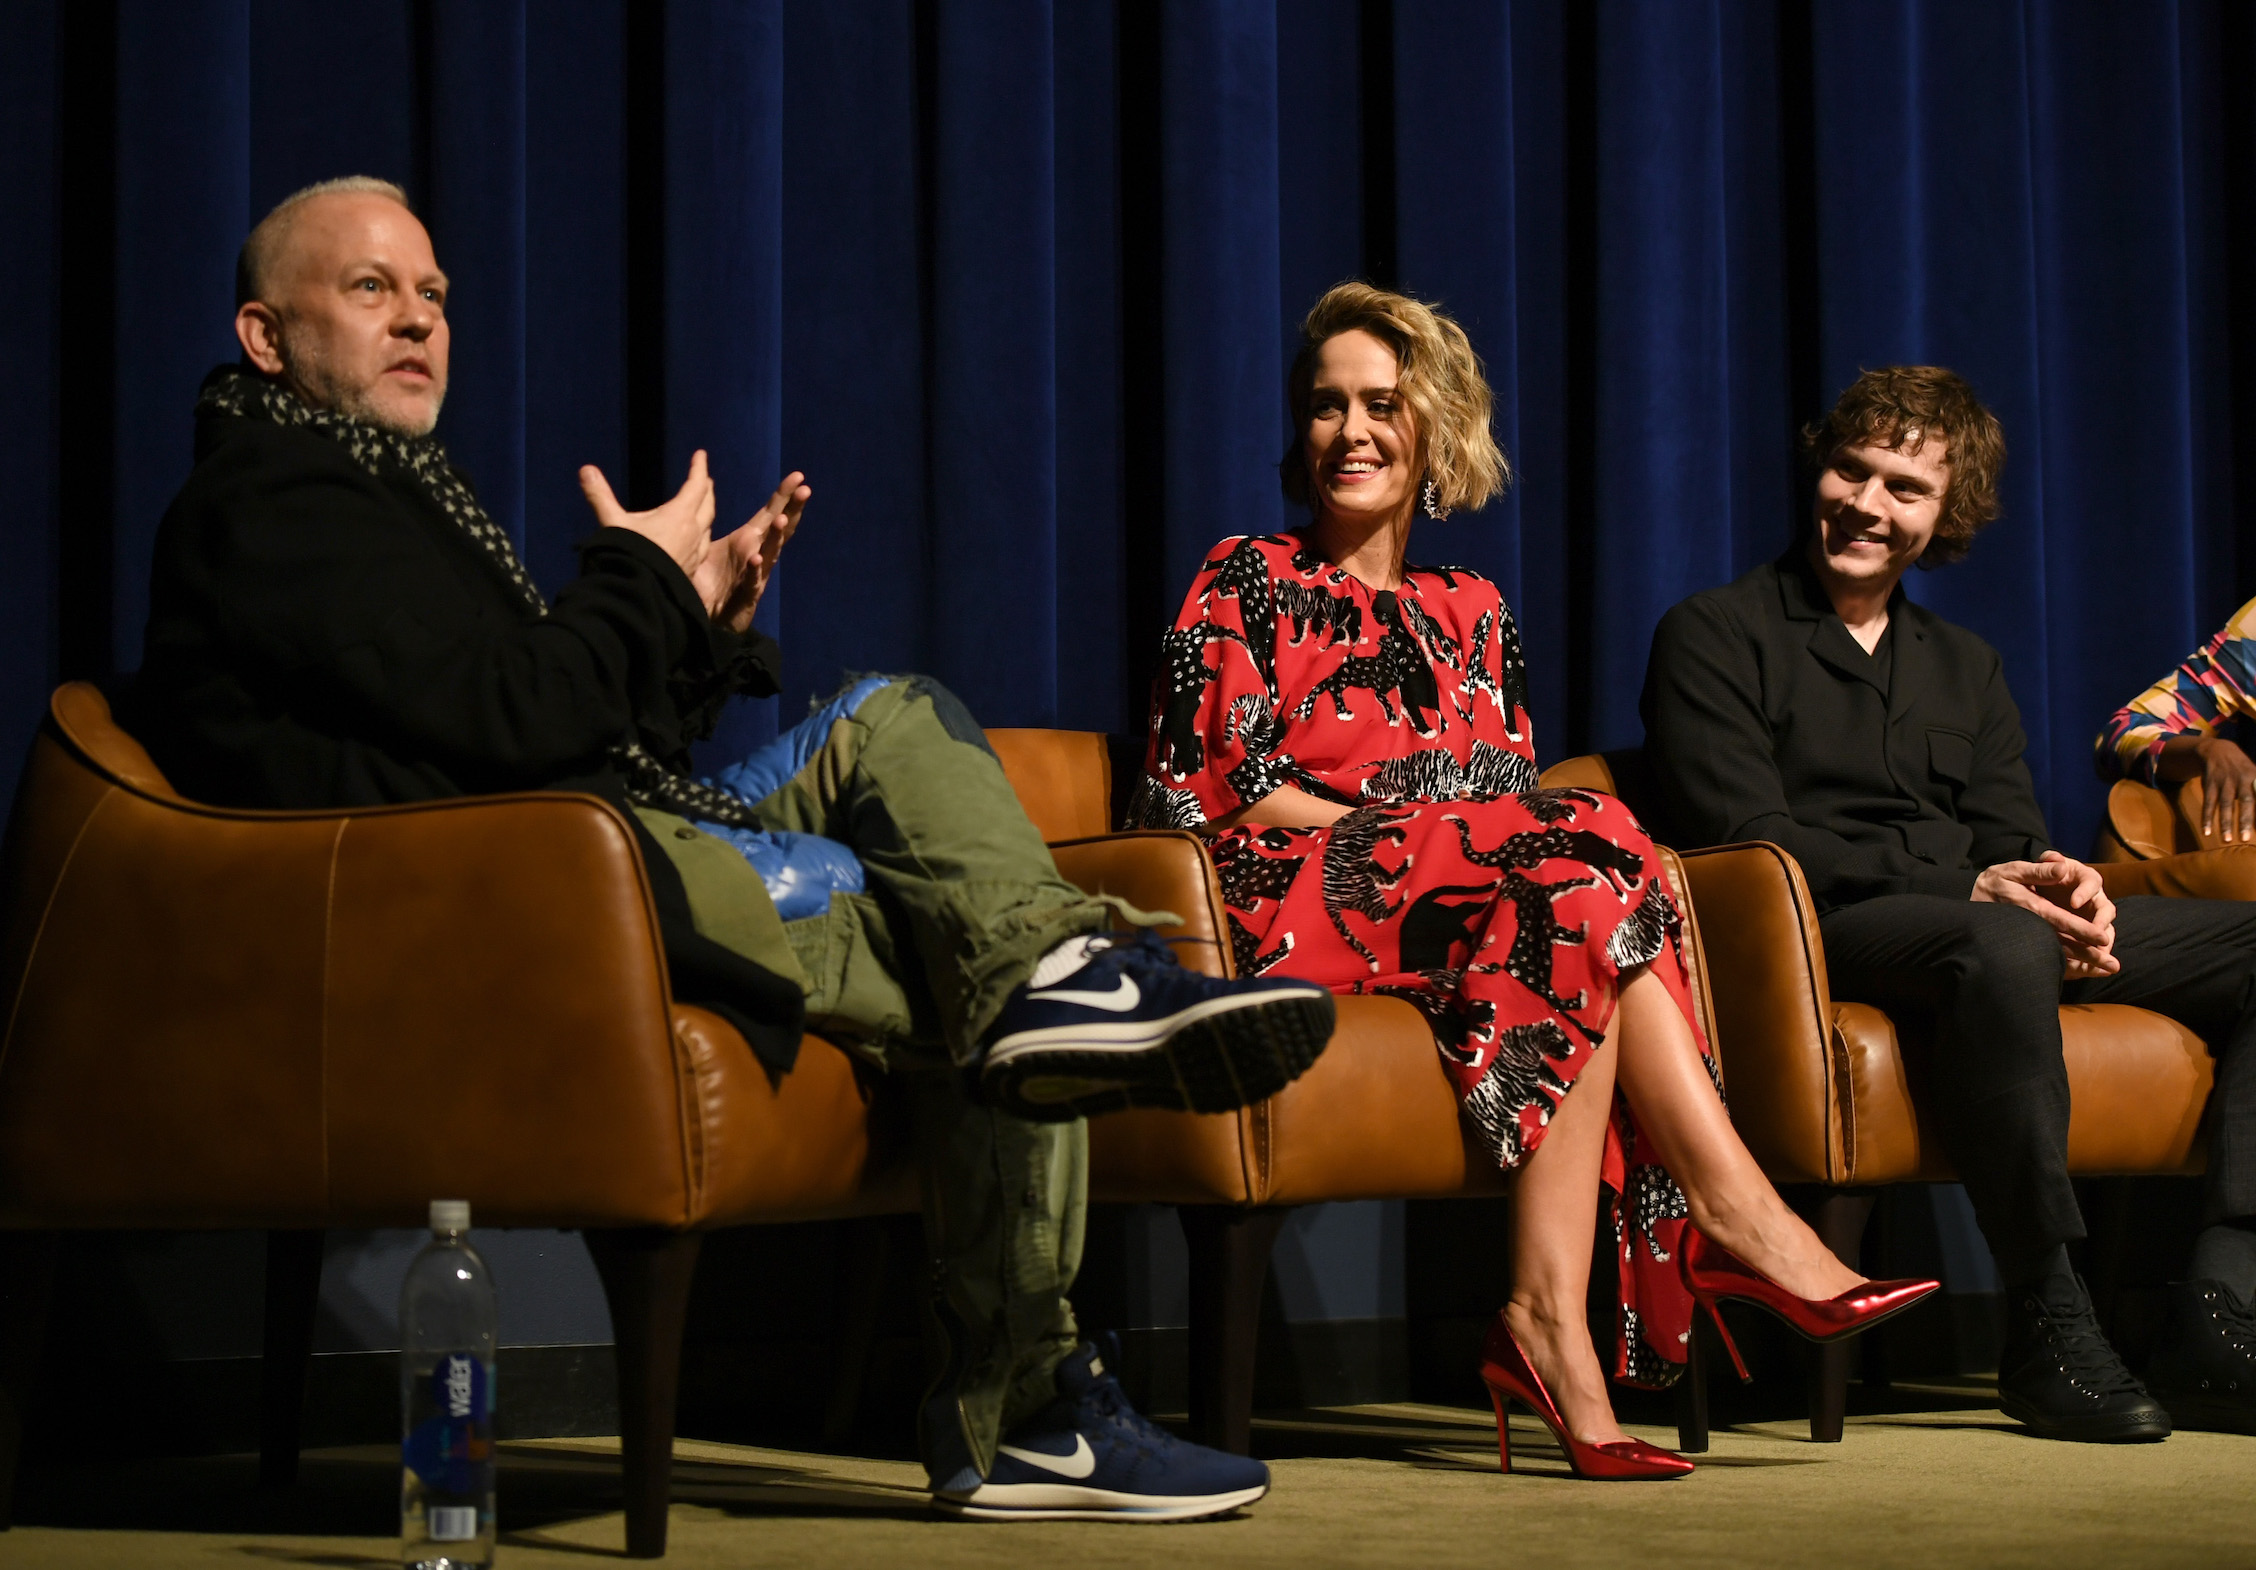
(1080, 1463)
(1123, 997)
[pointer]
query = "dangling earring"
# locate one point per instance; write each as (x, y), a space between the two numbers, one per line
(1434, 509)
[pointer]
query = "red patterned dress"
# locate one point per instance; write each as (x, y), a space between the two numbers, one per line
(1505, 913)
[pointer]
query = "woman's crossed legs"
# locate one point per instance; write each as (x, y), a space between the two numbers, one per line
(1656, 1064)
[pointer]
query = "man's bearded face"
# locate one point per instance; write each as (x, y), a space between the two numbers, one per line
(361, 313)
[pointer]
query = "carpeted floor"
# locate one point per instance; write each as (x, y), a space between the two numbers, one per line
(1951, 1484)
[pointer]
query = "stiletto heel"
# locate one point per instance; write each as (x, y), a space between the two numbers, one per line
(1712, 1273)
(1506, 1371)
(1723, 1334)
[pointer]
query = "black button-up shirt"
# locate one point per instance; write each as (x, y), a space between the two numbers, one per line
(1766, 720)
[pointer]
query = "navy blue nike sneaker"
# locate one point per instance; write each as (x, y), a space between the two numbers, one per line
(1090, 1456)
(1112, 1021)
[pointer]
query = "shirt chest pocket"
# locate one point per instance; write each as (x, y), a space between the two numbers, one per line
(1950, 756)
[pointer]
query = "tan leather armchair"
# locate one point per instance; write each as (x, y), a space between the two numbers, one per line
(1820, 1090)
(298, 1020)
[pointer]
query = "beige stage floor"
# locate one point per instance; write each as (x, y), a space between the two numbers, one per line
(1381, 1486)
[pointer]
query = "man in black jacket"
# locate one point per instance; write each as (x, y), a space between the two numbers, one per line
(334, 620)
(1813, 705)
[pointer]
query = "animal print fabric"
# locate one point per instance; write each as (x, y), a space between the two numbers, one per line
(1504, 913)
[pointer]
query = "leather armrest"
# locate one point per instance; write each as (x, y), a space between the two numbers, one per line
(1773, 1007)
(1156, 870)
(2143, 822)
(2228, 872)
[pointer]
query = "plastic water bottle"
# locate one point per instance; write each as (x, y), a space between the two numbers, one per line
(447, 1334)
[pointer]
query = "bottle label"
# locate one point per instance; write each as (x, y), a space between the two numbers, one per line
(452, 1450)
(452, 1523)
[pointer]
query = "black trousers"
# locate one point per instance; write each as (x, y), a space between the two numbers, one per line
(1989, 980)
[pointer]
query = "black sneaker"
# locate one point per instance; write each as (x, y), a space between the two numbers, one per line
(1090, 1456)
(2204, 1365)
(1130, 1027)
(2058, 1375)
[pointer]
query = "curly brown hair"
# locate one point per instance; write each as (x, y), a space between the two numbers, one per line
(1901, 407)
(1440, 382)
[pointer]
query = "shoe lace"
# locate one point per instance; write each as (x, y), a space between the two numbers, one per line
(2082, 1352)
(1137, 945)
(1107, 1404)
(2237, 1323)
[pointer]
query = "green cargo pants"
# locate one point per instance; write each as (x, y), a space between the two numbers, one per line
(961, 900)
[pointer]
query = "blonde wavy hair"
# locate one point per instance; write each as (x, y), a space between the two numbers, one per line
(1439, 379)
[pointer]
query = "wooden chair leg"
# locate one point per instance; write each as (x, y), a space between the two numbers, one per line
(293, 1292)
(1838, 1219)
(1229, 1251)
(1692, 1391)
(867, 1246)
(27, 1283)
(646, 1276)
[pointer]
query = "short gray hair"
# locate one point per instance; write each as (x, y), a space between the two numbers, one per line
(256, 260)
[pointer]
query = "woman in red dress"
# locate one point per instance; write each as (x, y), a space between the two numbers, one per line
(1353, 734)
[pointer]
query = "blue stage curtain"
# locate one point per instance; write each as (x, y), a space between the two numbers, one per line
(1016, 283)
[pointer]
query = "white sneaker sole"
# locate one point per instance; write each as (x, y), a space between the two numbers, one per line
(1066, 1502)
(1129, 1036)
(1211, 1057)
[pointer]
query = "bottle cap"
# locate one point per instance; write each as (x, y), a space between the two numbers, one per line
(450, 1215)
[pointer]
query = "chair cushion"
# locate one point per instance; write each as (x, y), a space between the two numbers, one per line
(2221, 872)
(2137, 1083)
(1375, 1118)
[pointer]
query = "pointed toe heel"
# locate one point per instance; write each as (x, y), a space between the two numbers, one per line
(1509, 1375)
(1712, 1274)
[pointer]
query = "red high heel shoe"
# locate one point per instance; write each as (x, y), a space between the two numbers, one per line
(1507, 1372)
(1712, 1272)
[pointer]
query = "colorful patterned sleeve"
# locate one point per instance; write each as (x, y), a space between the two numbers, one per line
(1213, 722)
(2216, 682)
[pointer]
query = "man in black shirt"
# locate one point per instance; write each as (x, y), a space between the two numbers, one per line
(334, 620)
(1812, 704)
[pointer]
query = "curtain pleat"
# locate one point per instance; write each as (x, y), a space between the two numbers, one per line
(1016, 283)
(477, 200)
(183, 203)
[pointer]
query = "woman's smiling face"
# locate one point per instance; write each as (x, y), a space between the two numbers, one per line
(1361, 440)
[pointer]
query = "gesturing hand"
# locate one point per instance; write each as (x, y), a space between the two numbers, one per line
(682, 527)
(2070, 898)
(735, 572)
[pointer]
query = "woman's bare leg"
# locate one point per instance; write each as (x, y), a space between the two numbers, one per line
(1554, 1218)
(1676, 1107)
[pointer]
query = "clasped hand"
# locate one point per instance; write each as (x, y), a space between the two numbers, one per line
(2072, 901)
(731, 573)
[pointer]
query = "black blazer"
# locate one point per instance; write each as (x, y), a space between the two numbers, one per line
(320, 636)
(1764, 721)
